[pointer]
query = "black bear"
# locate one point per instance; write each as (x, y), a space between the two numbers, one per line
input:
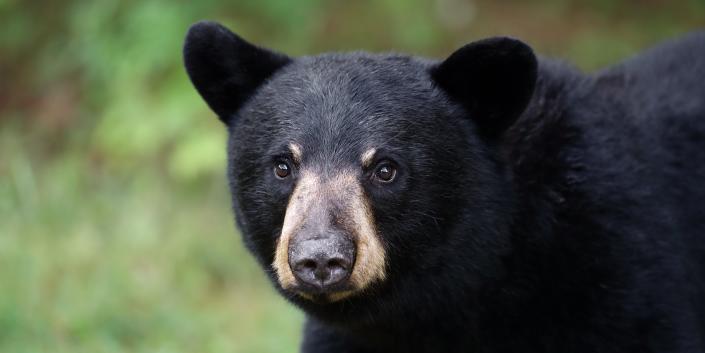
(488, 202)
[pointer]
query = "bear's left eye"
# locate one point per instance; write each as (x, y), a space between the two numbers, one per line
(282, 170)
(385, 172)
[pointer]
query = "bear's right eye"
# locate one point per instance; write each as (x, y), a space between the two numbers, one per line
(385, 172)
(282, 170)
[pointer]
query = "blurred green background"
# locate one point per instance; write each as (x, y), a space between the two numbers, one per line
(115, 228)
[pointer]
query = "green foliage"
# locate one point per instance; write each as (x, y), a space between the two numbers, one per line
(115, 228)
(101, 263)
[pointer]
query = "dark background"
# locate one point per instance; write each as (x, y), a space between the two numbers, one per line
(115, 228)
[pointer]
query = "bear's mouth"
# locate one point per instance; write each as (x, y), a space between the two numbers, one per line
(328, 295)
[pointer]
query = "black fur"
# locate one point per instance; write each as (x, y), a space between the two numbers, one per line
(224, 68)
(493, 79)
(580, 228)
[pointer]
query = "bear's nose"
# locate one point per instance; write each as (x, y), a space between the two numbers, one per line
(321, 263)
(321, 271)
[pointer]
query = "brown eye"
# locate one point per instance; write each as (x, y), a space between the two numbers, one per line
(282, 170)
(385, 173)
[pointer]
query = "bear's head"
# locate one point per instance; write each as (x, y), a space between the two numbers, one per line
(365, 183)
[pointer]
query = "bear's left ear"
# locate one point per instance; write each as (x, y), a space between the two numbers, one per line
(225, 68)
(493, 78)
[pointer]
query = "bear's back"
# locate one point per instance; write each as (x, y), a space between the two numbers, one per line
(658, 99)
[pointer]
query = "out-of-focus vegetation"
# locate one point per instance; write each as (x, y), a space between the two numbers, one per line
(115, 228)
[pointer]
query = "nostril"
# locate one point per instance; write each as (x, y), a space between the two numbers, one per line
(309, 265)
(310, 271)
(338, 268)
(337, 264)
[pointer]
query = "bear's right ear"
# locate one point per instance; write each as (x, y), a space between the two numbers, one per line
(493, 78)
(226, 69)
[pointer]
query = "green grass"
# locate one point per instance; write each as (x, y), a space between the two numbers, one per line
(91, 262)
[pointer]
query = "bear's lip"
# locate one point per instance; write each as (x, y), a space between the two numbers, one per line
(314, 290)
(325, 294)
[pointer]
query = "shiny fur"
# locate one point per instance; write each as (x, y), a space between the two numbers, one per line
(573, 224)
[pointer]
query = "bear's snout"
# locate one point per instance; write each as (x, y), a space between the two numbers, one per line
(329, 247)
(321, 262)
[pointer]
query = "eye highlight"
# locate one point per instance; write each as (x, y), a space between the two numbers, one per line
(282, 169)
(385, 172)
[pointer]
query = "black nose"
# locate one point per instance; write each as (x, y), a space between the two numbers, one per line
(321, 271)
(321, 264)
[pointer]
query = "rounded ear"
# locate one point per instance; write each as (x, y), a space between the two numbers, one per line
(492, 78)
(226, 69)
